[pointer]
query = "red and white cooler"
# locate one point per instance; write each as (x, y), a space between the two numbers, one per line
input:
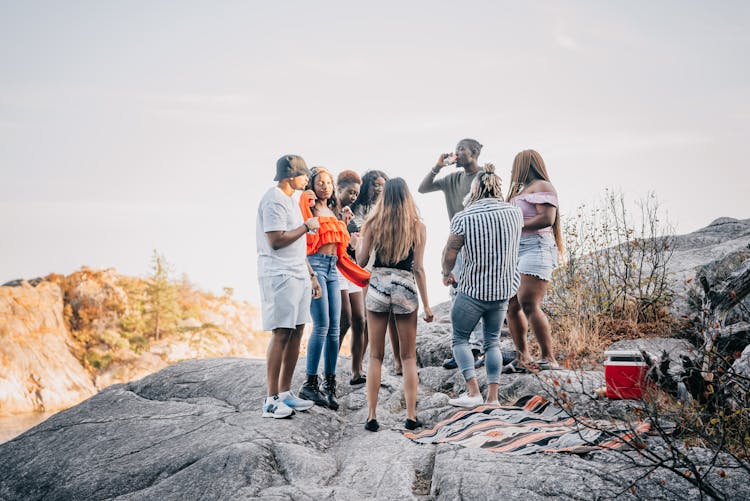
(625, 374)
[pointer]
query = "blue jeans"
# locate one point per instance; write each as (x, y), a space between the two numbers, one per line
(465, 315)
(326, 316)
(475, 340)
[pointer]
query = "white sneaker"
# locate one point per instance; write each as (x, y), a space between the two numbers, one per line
(464, 400)
(293, 401)
(275, 408)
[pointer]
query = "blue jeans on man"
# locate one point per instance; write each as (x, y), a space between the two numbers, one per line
(476, 339)
(465, 315)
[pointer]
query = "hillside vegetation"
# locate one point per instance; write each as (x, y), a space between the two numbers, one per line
(107, 328)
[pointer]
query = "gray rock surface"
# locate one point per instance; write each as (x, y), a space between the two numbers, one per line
(712, 251)
(742, 365)
(194, 430)
(674, 348)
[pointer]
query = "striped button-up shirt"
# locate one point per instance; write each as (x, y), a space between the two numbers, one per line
(491, 230)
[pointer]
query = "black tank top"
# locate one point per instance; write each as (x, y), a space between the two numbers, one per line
(405, 264)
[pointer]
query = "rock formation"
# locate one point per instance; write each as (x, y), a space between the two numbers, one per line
(64, 338)
(38, 371)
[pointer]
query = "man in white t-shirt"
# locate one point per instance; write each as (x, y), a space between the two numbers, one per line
(286, 281)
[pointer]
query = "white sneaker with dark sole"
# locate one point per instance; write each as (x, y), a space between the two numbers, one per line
(466, 401)
(293, 401)
(275, 408)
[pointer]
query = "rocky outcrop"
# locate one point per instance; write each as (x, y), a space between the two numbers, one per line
(38, 371)
(64, 338)
(194, 430)
(712, 252)
(720, 238)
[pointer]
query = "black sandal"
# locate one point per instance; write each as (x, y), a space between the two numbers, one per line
(515, 367)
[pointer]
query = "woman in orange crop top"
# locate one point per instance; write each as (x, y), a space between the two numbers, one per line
(326, 252)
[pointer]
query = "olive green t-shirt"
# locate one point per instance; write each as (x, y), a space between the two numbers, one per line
(455, 186)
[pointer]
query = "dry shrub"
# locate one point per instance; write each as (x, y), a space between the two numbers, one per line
(613, 283)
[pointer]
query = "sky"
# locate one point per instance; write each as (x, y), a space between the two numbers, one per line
(139, 125)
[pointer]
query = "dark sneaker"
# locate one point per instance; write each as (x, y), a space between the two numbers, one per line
(359, 380)
(478, 361)
(450, 363)
(372, 425)
(311, 391)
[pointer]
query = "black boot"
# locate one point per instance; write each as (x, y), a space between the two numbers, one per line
(311, 391)
(329, 390)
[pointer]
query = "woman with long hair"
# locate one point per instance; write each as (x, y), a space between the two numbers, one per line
(348, 185)
(373, 182)
(396, 236)
(326, 253)
(541, 242)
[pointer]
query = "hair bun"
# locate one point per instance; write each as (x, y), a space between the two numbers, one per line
(489, 168)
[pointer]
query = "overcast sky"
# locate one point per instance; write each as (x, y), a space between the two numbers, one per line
(130, 126)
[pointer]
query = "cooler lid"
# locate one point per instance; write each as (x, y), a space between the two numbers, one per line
(624, 356)
(623, 353)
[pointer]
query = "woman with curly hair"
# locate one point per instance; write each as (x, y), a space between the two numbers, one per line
(348, 185)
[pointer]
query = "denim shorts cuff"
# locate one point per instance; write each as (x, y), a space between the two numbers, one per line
(540, 277)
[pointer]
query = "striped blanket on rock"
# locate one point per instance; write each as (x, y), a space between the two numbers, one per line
(531, 425)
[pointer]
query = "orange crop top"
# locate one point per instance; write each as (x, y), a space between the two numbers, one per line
(333, 231)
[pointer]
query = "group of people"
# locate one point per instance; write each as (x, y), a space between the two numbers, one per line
(360, 266)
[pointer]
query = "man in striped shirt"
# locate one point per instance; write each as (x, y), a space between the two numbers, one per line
(487, 234)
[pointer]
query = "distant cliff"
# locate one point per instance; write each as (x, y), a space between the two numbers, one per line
(62, 338)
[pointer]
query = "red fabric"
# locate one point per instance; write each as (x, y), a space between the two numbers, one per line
(332, 231)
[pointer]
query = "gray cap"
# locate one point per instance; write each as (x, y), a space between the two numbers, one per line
(290, 166)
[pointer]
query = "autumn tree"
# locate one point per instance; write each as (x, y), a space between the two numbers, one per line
(163, 310)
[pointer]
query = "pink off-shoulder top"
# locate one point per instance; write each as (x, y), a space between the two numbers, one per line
(527, 202)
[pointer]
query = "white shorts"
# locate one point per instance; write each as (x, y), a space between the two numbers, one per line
(343, 282)
(285, 301)
(346, 285)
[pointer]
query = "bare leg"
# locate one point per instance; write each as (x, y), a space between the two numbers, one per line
(472, 387)
(274, 358)
(358, 332)
(407, 333)
(289, 358)
(393, 336)
(492, 392)
(377, 323)
(346, 318)
(530, 296)
(518, 326)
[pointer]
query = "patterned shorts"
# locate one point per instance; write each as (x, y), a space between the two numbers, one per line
(392, 290)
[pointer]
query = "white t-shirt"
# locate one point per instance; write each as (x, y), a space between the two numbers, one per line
(278, 212)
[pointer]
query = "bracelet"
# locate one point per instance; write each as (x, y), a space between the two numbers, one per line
(313, 275)
(436, 172)
(306, 227)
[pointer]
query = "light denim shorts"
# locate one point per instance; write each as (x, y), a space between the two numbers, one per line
(537, 256)
(285, 301)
